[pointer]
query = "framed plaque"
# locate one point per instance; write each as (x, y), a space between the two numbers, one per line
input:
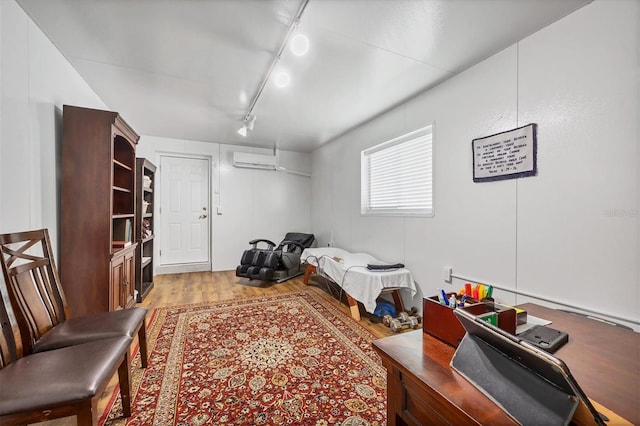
(507, 155)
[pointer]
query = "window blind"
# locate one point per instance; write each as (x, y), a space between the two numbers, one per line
(397, 176)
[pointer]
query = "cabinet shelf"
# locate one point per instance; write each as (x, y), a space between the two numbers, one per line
(121, 165)
(117, 249)
(145, 288)
(120, 189)
(122, 216)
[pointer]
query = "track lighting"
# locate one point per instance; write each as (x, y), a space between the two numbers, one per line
(249, 121)
(299, 46)
(282, 79)
(247, 124)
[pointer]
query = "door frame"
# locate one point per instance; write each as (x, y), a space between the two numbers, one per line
(186, 267)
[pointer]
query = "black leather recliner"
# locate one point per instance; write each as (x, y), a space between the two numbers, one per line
(274, 263)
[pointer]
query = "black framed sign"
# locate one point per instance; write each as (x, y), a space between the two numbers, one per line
(506, 155)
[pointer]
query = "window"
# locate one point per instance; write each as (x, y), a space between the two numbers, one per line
(397, 176)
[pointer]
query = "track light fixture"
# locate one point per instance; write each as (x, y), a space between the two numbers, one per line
(301, 47)
(247, 124)
(300, 44)
(249, 121)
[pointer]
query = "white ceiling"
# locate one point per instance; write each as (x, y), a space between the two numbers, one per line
(188, 69)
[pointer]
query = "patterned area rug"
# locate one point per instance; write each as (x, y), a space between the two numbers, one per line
(278, 360)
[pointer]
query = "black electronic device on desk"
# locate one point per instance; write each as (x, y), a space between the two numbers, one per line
(531, 385)
(545, 338)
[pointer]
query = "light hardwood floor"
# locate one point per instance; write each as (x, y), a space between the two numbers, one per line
(195, 287)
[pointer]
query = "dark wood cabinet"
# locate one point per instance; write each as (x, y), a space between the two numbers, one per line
(97, 210)
(145, 226)
(122, 279)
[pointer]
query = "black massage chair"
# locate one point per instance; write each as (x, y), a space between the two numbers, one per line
(274, 263)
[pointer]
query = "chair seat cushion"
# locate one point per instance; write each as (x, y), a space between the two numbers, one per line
(44, 380)
(75, 331)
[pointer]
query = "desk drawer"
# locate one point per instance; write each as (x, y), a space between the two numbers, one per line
(422, 406)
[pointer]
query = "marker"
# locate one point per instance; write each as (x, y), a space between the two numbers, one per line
(444, 297)
(462, 300)
(489, 291)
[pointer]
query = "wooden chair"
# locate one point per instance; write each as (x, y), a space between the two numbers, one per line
(39, 303)
(61, 382)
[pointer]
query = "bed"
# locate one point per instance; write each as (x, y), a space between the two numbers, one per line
(349, 271)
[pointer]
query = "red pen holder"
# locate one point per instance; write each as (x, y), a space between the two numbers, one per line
(440, 322)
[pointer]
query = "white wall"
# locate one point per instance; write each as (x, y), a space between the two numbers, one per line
(569, 234)
(1, 120)
(253, 203)
(36, 80)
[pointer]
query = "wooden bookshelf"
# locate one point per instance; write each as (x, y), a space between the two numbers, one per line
(98, 214)
(145, 226)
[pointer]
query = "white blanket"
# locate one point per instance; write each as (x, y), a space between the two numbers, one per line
(351, 273)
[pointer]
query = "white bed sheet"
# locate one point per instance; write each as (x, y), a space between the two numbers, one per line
(352, 275)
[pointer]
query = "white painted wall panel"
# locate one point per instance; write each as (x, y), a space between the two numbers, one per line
(321, 194)
(1, 120)
(576, 219)
(36, 80)
(16, 148)
(52, 83)
(473, 230)
(295, 161)
(574, 225)
(234, 228)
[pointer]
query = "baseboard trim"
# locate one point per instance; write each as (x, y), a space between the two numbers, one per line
(181, 268)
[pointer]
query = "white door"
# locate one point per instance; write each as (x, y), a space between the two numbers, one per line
(184, 211)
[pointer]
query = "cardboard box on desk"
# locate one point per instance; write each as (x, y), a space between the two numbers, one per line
(439, 321)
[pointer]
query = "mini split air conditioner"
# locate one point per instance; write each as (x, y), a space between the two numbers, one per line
(254, 161)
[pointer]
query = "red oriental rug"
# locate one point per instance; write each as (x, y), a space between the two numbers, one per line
(277, 360)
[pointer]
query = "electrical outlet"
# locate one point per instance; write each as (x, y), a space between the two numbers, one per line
(446, 273)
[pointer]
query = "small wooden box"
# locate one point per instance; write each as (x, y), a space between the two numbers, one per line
(440, 322)
(521, 315)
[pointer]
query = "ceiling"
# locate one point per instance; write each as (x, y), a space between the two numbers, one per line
(189, 69)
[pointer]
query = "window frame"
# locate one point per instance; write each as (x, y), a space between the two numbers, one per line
(365, 209)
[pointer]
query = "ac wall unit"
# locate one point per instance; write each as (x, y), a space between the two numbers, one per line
(254, 161)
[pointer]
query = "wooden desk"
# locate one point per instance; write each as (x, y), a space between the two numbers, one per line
(423, 389)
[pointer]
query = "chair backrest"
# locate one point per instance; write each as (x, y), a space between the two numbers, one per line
(33, 284)
(10, 340)
(304, 239)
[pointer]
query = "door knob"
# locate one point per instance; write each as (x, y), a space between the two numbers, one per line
(202, 216)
